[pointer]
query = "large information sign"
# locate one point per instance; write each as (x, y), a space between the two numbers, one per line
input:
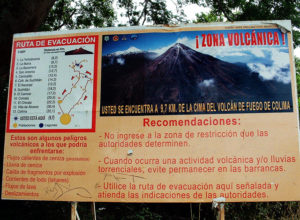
(153, 114)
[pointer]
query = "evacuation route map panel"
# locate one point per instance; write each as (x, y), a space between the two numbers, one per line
(52, 84)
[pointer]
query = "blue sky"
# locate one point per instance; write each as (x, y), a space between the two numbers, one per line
(153, 41)
(145, 42)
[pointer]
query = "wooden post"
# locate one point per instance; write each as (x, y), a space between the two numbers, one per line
(94, 213)
(219, 204)
(73, 210)
(222, 211)
(199, 210)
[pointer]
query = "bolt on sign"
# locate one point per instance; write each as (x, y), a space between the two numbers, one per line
(153, 114)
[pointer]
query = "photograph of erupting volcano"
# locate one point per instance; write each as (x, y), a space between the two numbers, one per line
(196, 68)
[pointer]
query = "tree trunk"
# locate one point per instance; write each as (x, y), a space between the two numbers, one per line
(18, 16)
